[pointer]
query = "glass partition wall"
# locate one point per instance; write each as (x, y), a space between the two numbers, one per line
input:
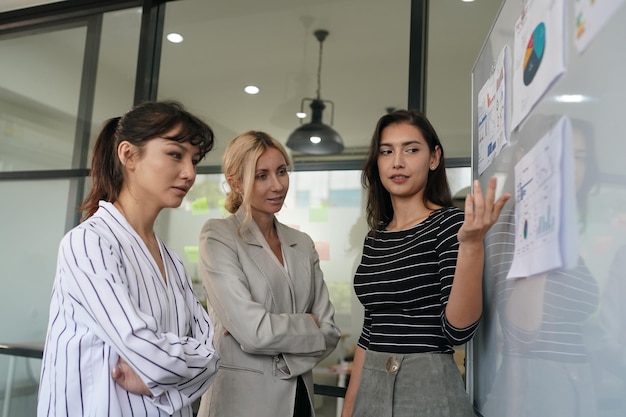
(59, 78)
(65, 71)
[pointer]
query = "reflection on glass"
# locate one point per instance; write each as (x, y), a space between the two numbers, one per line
(37, 115)
(546, 361)
(230, 45)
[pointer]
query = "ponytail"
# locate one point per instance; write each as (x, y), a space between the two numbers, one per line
(106, 172)
(233, 201)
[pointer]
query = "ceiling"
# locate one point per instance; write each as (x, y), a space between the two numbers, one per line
(271, 43)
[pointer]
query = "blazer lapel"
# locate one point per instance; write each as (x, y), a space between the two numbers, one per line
(299, 268)
(270, 267)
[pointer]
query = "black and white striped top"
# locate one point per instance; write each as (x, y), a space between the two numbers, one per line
(109, 300)
(404, 281)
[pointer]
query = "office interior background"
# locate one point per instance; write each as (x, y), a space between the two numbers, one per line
(68, 66)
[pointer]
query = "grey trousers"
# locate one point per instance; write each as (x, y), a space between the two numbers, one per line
(420, 384)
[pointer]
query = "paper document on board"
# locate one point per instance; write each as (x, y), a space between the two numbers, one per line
(538, 54)
(591, 17)
(493, 113)
(545, 206)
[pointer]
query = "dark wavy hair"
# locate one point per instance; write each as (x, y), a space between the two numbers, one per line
(591, 170)
(142, 123)
(379, 210)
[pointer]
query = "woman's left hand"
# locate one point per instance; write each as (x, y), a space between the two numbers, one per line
(481, 213)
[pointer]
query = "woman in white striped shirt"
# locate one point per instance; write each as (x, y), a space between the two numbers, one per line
(126, 335)
(420, 277)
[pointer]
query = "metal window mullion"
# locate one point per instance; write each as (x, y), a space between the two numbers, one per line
(149, 56)
(84, 119)
(418, 55)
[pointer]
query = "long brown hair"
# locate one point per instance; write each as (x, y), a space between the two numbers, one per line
(139, 125)
(379, 210)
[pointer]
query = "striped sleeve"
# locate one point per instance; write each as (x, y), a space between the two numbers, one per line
(447, 252)
(364, 339)
(200, 337)
(98, 282)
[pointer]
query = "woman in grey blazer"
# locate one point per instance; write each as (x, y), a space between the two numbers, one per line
(266, 294)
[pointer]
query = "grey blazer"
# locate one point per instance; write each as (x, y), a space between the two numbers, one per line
(270, 337)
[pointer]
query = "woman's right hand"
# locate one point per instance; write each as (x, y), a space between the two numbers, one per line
(481, 212)
(127, 378)
(314, 317)
(355, 381)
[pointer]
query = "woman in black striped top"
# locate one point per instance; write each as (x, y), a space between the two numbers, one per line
(420, 277)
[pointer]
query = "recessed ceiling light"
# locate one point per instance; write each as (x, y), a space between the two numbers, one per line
(467, 1)
(571, 98)
(251, 89)
(175, 37)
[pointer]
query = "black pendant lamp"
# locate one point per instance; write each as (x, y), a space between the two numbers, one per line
(315, 137)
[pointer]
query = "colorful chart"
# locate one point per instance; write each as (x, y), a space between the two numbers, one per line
(534, 53)
(525, 228)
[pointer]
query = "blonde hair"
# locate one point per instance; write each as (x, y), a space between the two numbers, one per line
(239, 165)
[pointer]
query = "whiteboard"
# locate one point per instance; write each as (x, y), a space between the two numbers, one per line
(554, 343)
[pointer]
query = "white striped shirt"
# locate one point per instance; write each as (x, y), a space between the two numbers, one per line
(109, 300)
(404, 281)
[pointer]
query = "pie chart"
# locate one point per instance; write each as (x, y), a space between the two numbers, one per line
(534, 53)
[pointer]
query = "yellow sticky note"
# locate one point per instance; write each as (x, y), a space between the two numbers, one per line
(192, 253)
(200, 206)
(318, 214)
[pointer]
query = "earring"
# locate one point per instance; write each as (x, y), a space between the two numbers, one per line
(432, 167)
